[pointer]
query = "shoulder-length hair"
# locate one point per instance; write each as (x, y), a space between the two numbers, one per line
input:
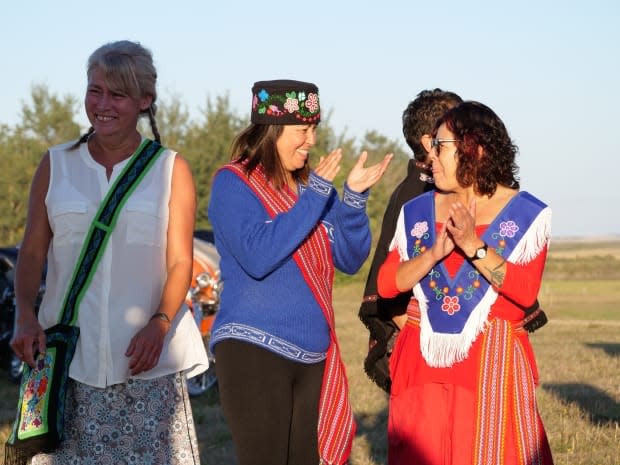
(475, 126)
(257, 145)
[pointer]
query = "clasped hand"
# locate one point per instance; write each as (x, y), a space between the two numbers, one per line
(360, 178)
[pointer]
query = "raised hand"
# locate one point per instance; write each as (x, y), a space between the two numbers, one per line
(329, 166)
(361, 178)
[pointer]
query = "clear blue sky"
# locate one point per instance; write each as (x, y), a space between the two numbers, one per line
(551, 70)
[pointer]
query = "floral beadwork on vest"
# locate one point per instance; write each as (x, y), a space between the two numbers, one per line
(455, 309)
(469, 283)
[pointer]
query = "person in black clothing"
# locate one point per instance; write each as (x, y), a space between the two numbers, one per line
(378, 314)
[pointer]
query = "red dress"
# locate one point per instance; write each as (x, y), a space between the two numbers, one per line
(447, 416)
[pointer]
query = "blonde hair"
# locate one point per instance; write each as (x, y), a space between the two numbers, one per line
(128, 68)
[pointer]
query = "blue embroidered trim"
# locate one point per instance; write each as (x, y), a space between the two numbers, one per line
(355, 199)
(267, 341)
(319, 185)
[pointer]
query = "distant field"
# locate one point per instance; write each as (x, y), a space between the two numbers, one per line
(582, 281)
(570, 248)
(581, 300)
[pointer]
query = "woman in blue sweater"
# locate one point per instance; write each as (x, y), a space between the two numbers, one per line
(280, 229)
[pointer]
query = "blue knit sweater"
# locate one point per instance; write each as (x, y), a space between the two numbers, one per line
(265, 299)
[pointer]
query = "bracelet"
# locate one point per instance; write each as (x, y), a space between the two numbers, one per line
(161, 316)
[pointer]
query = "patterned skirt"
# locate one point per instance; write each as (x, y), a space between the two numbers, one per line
(140, 422)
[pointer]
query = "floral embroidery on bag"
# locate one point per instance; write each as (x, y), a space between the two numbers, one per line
(33, 405)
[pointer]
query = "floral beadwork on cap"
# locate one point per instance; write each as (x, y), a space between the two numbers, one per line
(303, 106)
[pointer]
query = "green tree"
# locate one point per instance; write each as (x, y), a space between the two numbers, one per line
(326, 141)
(173, 123)
(45, 121)
(49, 119)
(377, 146)
(207, 147)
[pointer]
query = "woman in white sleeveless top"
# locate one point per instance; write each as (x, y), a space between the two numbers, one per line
(127, 399)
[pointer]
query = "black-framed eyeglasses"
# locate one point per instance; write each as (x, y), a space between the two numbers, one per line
(436, 143)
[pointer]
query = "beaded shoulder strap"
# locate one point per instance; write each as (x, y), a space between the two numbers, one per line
(103, 224)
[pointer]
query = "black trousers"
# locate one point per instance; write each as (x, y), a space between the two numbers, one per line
(270, 403)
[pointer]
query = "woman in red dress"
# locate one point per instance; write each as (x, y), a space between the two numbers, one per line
(473, 251)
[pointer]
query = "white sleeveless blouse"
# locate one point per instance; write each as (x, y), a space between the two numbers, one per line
(127, 285)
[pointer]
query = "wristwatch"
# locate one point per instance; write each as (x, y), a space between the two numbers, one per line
(480, 252)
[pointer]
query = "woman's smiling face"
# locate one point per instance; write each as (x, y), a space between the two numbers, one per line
(293, 145)
(111, 111)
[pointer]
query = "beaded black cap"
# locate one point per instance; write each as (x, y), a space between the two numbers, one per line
(285, 101)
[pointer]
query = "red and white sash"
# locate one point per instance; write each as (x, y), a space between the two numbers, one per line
(336, 427)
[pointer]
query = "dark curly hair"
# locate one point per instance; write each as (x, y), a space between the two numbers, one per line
(256, 145)
(475, 125)
(420, 115)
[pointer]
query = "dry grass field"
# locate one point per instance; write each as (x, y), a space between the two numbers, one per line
(574, 248)
(578, 353)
